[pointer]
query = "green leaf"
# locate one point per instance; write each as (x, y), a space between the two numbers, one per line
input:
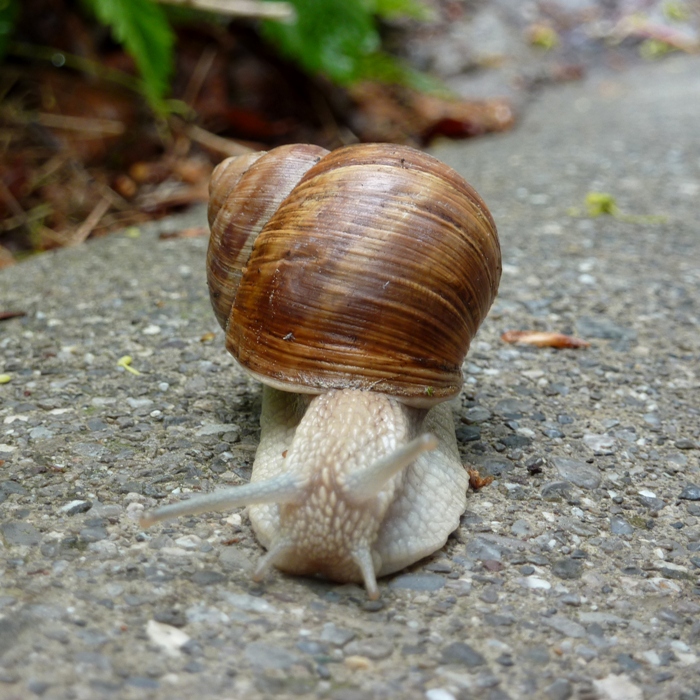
(384, 68)
(341, 40)
(9, 9)
(392, 9)
(143, 29)
(327, 37)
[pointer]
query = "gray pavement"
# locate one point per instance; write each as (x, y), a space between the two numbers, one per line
(574, 575)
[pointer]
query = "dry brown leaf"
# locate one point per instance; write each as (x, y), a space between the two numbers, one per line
(544, 339)
(402, 115)
(6, 258)
(6, 315)
(476, 481)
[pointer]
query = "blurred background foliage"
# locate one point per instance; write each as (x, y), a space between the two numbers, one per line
(339, 40)
(114, 112)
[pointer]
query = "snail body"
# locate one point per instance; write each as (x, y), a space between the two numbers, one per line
(351, 284)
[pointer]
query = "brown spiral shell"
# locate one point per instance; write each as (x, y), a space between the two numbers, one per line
(368, 267)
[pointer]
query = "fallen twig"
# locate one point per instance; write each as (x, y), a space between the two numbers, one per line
(88, 125)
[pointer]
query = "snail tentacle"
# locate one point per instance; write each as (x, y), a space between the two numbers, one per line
(286, 488)
(363, 559)
(361, 486)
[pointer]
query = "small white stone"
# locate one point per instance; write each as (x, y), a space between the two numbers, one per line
(7, 448)
(439, 694)
(102, 400)
(600, 444)
(234, 520)
(11, 419)
(72, 505)
(663, 585)
(151, 329)
(535, 583)
(170, 639)
(651, 657)
(614, 687)
(189, 542)
(138, 403)
(248, 603)
(686, 659)
(174, 552)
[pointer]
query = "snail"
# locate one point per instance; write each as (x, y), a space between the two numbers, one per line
(350, 283)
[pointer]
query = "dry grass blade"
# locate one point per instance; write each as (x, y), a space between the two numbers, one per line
(241, 8)
(36, 214)
(215, 143)
(87, 227)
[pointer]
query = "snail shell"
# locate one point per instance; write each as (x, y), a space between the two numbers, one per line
(370, 268)
(351, 284)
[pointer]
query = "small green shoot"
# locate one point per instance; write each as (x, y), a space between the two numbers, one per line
(603, 203)
(600, 203)
(125, 362)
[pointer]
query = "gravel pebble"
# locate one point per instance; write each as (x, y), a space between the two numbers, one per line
(691, 493)
(263, 656)
(578, 473)
(418, 582)
(568, 568)
(75, 507)
(620, 526)
(462, 654)
(565, 626)
(375, 649)
(19, 533)
(560, 689)
(338, 636)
